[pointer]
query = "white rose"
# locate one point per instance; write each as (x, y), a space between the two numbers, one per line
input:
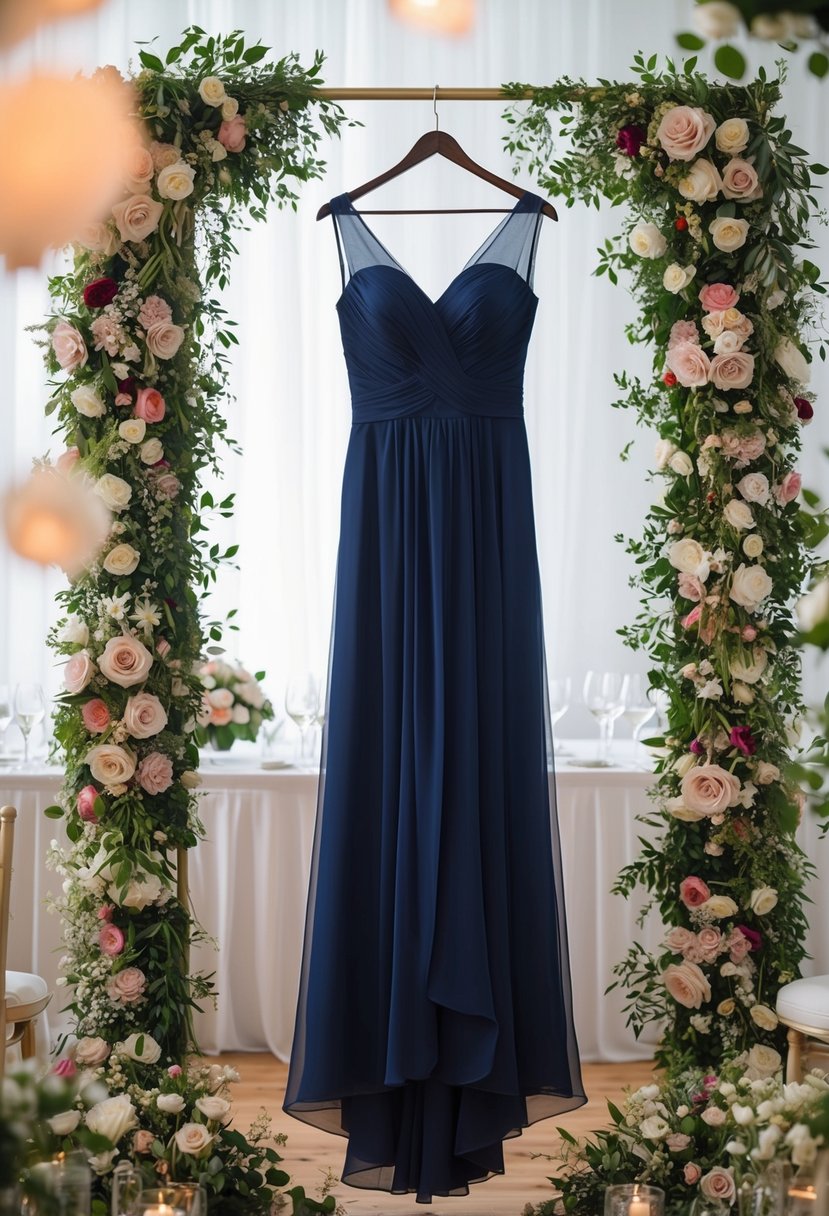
(764, 1061)
(812, 608)
(731, 136)
(133, 430)
(152, 451)
(112, 1118)
(702, 183)
(654, 1128)
(763, 900)
(74, 630)
(230, 108)
(647, 241)
(190, 779)
(102, 1163)
(792, 361)
(682, 464)
(689, 557)
(753, 545)
(663, 452)
(754, 487)
(719, 907)
(142, 1047)
(143, 890)
(751, 669)
(240, 715)
(677, 277)
(213, 1108)
(716, 20)
(193, 1138)
(114, 491)
(728, 233)
(763, 1017)
(121, 560)
(110, 764)
(87, 402)
(172, 1104)
(212, 91)
(65, 1123)
(738, 514)
(728, 343)
(176, 181)
(750, 585)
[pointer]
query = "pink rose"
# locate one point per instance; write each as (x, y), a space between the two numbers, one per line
(127, 986)
(220, 698)
(144, 715)
(150, 405)
(220, 716)
(691, 1173)
(78, 672)
(95, 716)
(167, 485)
(125, 661)
(86, 803)
(175, 1070)
(154, 309)
(693, 892)
(788, 489)
(748, 633)
(142, 1141)
(137, 217)
(64, 1068)
(155, 773)
(162, 647)
(69, 346)
(718, 1183)
(677, 1141)
(687, 984)
(105, 912)
(717, 297)
(67, 460)
(740, 180)
(690, 587)
(714, 1116)
(732, 371)
(710, 943)
(683, 331)
(752, 446)
(679, 940)
(111, 940)
(232, 133)
(710, 789)
(684, 131)
(164, 338)
(738, 946)
(689, 363)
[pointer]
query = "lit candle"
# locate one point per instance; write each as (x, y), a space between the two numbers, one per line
(163, 1209)
(639, 1206)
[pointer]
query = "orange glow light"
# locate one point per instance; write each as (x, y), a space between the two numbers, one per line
(436, 16)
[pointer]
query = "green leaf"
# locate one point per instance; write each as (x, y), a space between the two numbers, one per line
(53, 812)
(818, 169)
(690, 42)
(254, 53)
(730, 61)
(151, 61)
(818, 63)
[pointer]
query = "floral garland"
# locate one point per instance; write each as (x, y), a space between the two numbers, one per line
(136, 348)
(719, 20)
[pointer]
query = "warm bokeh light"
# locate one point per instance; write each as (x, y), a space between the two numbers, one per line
(56, 519)
(439, 16)
(67, 145)
(18, 18)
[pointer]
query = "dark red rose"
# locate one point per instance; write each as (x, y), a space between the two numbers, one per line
(100, 292)
(752, 936)
(670, 379)
(680, 223)
(742, 738)
(805, 412)
(630, 139)
(126, 386)
(697, 748)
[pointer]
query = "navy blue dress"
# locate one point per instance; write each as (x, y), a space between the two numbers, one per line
(434, 1015)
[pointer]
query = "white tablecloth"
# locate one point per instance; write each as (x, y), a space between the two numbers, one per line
(249, 881)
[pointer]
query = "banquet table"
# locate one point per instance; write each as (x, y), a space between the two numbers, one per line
(249, 881)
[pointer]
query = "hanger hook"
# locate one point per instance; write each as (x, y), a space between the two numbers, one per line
(435, 107)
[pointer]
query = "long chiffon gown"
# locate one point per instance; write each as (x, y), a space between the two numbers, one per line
(434, 1016)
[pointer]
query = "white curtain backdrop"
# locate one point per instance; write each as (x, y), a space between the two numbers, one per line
(291, 412)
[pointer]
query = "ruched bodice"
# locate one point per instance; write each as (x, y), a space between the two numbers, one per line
(434, 1017)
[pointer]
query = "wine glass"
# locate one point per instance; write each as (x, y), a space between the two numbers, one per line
(6, 715)
(603, 697)
(637, 708)
(560, 693)
(302, 703)
(29, 711)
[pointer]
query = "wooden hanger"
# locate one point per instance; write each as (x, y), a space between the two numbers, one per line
(438, 143)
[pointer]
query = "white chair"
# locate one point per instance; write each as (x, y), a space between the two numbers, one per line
(803, 1006)
(26, 995)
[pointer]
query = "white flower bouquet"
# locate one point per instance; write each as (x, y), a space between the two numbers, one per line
(234, 704)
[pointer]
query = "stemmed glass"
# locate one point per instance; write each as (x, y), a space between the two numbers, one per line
(603, 697)
(29, 711)
(560, 693)
(6, 715)
(638, 708)
(302, 703)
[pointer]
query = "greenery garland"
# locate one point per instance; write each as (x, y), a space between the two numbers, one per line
(721, 202)
(801, 21)
(137, 350)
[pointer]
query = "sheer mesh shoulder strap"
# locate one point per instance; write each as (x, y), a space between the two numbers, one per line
(357, 245)
(514, 241)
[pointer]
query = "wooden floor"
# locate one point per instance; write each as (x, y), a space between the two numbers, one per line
(310, 1154)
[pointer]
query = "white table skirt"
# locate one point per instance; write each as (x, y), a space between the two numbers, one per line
(249, 882)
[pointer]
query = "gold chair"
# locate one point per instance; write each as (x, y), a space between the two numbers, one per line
(803, 1006)
(26, 995)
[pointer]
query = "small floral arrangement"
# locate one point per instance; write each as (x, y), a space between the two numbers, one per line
(234, 705)
(702, 1137)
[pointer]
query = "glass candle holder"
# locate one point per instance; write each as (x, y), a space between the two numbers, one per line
(802, 1197)
(634, 1199)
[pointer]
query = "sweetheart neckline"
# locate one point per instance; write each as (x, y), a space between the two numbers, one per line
(435, 302)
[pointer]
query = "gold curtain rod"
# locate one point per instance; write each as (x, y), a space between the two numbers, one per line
(439, 94)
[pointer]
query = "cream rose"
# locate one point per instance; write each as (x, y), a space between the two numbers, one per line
(687, 984)
(125, 661)
(164, 338)
(121, 560)
(171, 1104)
(212, 91)
(110, 764)
(702, 183)
(720, 907)
(763, 1017)
(89, 1052)
(750, 585)
(112, 1118)
(684, 131)
(766, 773)
(791, 360)
(728, 233)
(193, 1138)
(132, 430)
(176, 181)
(764, 1061)
(728, 342)
(716, 20)
(213, 1107)
(754, 487)
(663, 452)
(230, 108)
(738, 514)
(740, 181)
(136, 217)
(749, 670)
(141, 1047)
(682, 464)
(87, 402)
(647, 241)
(689, 557)
(710, 789)
(114, 491)
(763, 900)
(152, 451)
(190, 779)
(98, 237)
(144, 715)
(731, 136)
(677, 277)
(730, 371)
